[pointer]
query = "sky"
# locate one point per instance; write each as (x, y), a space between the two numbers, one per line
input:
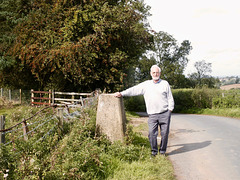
(212, 27)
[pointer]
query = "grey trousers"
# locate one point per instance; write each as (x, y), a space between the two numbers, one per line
(162, 120)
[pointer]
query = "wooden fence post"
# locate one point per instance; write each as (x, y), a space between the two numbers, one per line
(60, 115)
(25, 130)
(81, 100)
(10, 96)
(53, 97)
(32, 97)
(49, 96)
(20, 97)
(73, 99)
(2, 126)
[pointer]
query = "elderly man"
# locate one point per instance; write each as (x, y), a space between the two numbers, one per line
(159, 104)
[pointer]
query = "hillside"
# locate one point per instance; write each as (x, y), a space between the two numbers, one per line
(230, 86)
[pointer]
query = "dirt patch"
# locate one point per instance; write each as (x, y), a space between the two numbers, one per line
(140, 125)
(137, 121)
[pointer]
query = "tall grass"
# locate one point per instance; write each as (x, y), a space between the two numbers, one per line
(150, 169)
(78, 152)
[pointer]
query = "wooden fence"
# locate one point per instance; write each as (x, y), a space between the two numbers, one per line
(39, 97)
(58, 98)
(47, 98)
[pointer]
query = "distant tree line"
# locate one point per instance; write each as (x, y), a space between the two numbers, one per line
(87, 44)
(230, 80)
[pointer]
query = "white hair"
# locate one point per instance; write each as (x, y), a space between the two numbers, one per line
(155, 66)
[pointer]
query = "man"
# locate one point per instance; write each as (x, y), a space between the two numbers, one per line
(159, 104)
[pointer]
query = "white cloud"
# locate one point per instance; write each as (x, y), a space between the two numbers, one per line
(211, 27)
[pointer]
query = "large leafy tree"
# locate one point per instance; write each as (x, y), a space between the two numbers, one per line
(12, 12)
(87, 43)
(172, 58)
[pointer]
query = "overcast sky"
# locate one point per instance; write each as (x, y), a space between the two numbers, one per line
(212, 27)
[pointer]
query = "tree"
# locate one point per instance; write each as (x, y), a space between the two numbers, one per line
(12, 12)
(143, 68)
(202, 77)
(237, 80)
(89, 44)
(172, 58)
(203, 69)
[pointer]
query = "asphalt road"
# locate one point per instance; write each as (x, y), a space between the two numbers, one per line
(204, 147)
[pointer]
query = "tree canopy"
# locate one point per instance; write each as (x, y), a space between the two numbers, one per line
(171, 57)
(202, 77)
(87, 43)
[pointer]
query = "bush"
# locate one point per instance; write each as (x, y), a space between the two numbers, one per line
(227, 99)
(135, 103)
(74, 153)
(193, 98)
(198, 98)
(182, 99)
(203, 98)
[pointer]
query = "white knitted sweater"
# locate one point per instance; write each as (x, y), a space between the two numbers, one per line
(158, 96)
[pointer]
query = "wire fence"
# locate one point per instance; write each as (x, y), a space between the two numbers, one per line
(16, 96)
(15, 132)
(41, 124)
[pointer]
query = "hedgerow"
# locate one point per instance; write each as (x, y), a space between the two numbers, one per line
(203, 98)
(198, 98)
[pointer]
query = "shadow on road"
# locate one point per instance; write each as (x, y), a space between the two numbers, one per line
(188, 147)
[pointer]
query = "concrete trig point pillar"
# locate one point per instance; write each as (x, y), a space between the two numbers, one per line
(111, 118)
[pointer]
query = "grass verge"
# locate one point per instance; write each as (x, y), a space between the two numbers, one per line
(226, 112)
(144, 168)
(149, 169)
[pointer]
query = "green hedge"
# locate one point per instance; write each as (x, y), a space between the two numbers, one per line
(203, 98)
(228, 99)
(194, 98)
(135, 103)
(199, 98)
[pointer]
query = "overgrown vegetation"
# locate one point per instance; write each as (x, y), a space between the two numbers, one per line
(77, 152)
(203, 98)
(199, 100)
(135, 103)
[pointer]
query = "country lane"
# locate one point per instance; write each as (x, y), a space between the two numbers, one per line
(203, 147)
